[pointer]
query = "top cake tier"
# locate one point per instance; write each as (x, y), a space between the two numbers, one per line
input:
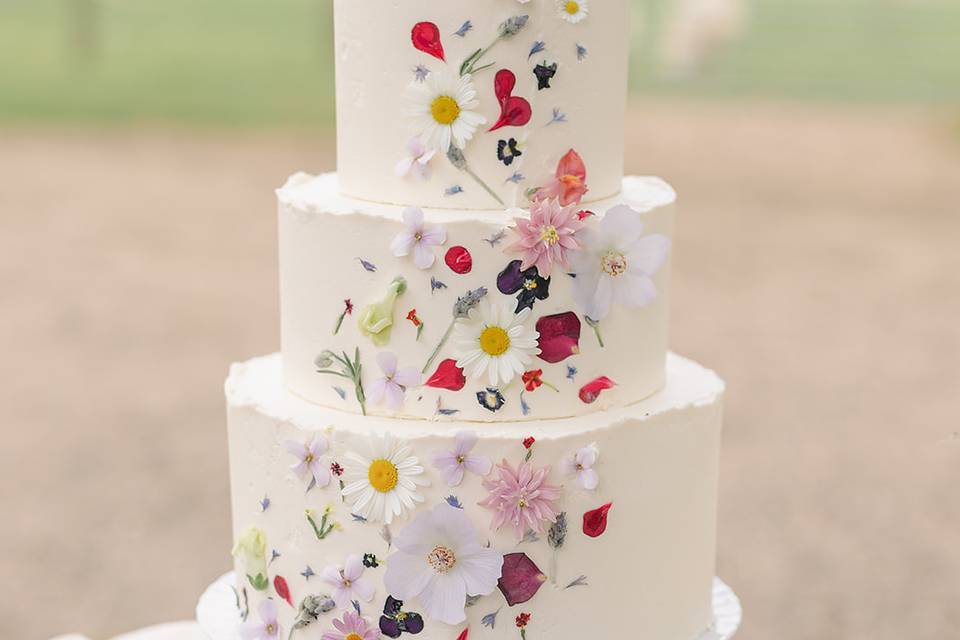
(466, 105)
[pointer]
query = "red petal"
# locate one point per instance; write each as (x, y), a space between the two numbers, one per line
(459, 260)
(503, 84)
(447, 376)
(572, 164)
(595, 522)
(280, 586)
(426, 37)
(515, 112)
(591, 391)
(559, 336)
(464, 634)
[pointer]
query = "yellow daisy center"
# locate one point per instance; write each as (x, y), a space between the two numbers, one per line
(550, 235)
(382, 475)
(572, 8)
(441, 559)
(494, 341)
(613, 263)
(353, 636)
(445, 110)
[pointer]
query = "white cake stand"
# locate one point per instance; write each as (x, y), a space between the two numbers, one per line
(218, 616)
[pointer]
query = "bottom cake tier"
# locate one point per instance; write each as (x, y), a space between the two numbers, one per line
(364, 527)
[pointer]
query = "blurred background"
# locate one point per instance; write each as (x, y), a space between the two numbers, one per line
(815, 145)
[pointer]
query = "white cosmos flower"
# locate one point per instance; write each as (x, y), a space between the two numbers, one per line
(442, 110)
(580, 464)
(440, 561)
(573, 11)
(492, 340)
(616, 263)
(384, 484)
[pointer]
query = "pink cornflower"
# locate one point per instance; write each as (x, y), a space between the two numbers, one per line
(351, 627)
(544, 240)
(570, 183)
(521, 497)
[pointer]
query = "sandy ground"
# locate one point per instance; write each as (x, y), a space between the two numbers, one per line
(816, 268)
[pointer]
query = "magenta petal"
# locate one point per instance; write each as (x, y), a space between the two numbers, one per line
(520, 579)
(595, 521)
(447, 376)
(559, 336)
(591, 391)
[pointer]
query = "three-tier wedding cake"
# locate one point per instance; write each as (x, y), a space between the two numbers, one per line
(474, 427)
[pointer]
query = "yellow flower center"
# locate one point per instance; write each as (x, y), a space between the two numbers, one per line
(353, 636)
(441, 559)
(460, 459)
(445, 109)
(572, 7)
(270, 629)
(382, 475)
(613, 263)
(308, 458)
(549, 235)
(494, 341)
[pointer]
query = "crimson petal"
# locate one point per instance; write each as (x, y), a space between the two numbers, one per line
(559, 337)
(503, 84)
(459, 260)
(591, 391)
(595, 522)
(280, 586)
(447, 376)
(520, 579)
(515, 112)
(426, 37)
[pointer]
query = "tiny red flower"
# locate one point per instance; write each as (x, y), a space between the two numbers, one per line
(348, 306)
(532, 380)
(336, 469)
(528, 442)
(523, 620)
(583, 215)
(412, 317)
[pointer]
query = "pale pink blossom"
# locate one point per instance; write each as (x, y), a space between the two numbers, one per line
(309, 465)
(418, 238)
(268, 628)
(521, 497)
(392, 387)
(569, 185)
(417, 160)
(544, 240)
(352, 626)
(348, 582)
(453, 463)
(580, 464)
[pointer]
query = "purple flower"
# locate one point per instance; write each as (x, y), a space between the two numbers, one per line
(580, 464)
(391, 388)
(418, 238)
(348, 582)
(395, 621)
(268, 628)
(529, 283)
(453, 463)
(309, 465)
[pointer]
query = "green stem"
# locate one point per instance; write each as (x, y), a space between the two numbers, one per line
(484, 185)
(443, 341)
(336, 329)
(549, 386)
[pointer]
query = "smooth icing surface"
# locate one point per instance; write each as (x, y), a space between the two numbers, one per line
(648, 574)
(334, 248)
(583, 106)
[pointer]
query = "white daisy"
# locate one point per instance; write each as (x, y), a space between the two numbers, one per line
(494, 340)
(442, 109)
(616, 263)
(573, 11)
(383, 485)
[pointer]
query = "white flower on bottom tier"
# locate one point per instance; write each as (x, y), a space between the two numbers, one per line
(492, 340)
(440, 561)
(442, 109)
(616, 263)
(348, 582)
(392, 387)
(382, 486)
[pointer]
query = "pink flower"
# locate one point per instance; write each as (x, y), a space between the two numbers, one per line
(352, 626)
(452, 464)
(544, 239)
(348, 582)
(268, 628)
(417, 160)
(521, 497)
(570, 183)
(392, 387)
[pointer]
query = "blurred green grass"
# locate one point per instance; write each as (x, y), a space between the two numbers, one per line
(256, 63)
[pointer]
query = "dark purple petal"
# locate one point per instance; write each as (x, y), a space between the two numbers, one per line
(520, 579)
(510, 279)
(413, 623)
(389, 627)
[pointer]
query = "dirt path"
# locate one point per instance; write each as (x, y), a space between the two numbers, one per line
(816, 268)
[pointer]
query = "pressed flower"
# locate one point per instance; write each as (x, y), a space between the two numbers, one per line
(521, 498)
(348, 368)
(595, 521)
(533, 380)
(352, 626)
(495, 343)
(591, 391)
(418, 238)
(384, 484)
(544, 73)
(251, 550)
(309, 465)
(268, 627)
(559, 336)
(514, 110)
(522, 621)
(530, 285)
(417, 160)
(425, 37)
(442, 109)
(573, 11)
(548, 238)
(392, 387)
(376, 319)
(395, 621)
(580, 464)
(453, 463)
(348, 582)
(507, 151)
(569, 184)
(528, 442)
(520, 579)
(491, 399)
(459, 260)
(616, 263)
(347, 310)
(282, 589)
(440, 560)
(447, 376)
(336, 469)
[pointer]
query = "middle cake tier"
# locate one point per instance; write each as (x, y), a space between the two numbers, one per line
(474, 315)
